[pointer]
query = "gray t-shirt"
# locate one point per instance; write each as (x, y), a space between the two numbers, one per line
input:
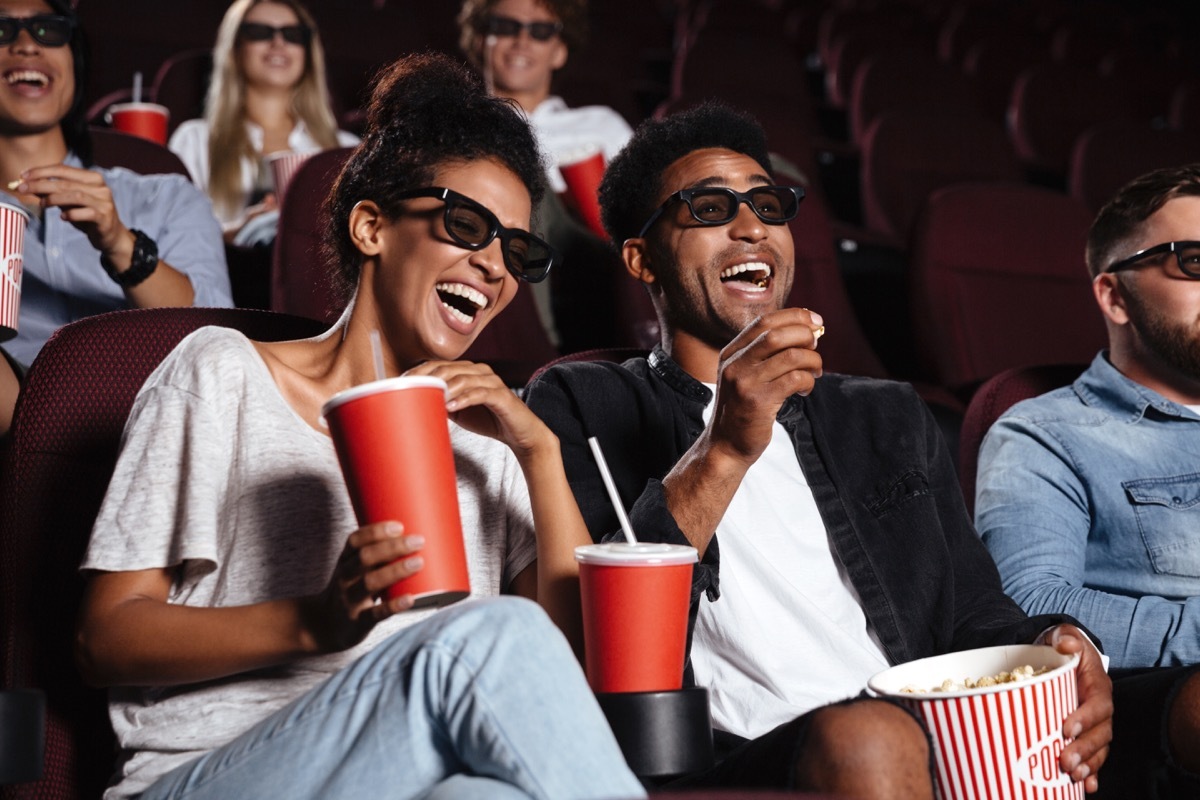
(220, 477)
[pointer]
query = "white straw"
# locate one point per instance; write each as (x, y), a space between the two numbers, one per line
(612, 490)
(377, 352)
(489, 44)
(137, 87)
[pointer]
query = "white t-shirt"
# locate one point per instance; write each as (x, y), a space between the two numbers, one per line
(219, 476)
(190, 143)
(788, 633)
(562, 132)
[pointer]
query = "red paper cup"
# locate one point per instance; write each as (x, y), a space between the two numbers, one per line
(635, 614)
(582, 175)
(13, 220)
(283, 168)
(147, 120)
(1000, 742)
(393, 441)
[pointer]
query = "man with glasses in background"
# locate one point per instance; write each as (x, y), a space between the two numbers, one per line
(518, 46)
(844, 546)
(1088, 497)
(98, 239)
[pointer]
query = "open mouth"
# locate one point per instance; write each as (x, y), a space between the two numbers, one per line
(26, 77)
(755, 273)
(463, 302)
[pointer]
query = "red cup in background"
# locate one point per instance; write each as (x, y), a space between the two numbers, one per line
(147, 120)
(582, 174)
(13, 221)
(393, 441)
(283, 166)
(635, 614)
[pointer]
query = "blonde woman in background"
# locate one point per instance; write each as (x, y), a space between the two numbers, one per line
(267, 95)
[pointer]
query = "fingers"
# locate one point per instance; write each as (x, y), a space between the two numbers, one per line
(62, 172)
(779, 351)
(1090, 725)
(469, 384)
(376, 556)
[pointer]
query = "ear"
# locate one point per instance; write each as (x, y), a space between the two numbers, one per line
(1106, 287)
(558, 59)
(634, 253)
(366, 222)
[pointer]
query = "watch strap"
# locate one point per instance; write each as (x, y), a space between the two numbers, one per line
(141, 265)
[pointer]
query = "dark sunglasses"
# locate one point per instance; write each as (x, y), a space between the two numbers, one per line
(774, 205)
(473, 226)
(1187, 256)
(50, 30)
(507, 26)
(259, 32)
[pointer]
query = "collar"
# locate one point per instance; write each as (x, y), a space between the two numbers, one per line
(1102, 386)
(553, 104)
(678, 379)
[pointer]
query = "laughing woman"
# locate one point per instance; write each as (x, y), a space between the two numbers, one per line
(267, 95)
(235, 606)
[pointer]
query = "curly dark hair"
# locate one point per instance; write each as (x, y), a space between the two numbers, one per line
(426, 111)
(1121, 217)
(633, 181)
(75, 125)
(473, 15)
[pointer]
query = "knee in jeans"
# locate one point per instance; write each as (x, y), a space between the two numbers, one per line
(867, 734)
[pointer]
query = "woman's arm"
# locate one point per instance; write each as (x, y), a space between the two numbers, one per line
(129, 634)
(480, 402)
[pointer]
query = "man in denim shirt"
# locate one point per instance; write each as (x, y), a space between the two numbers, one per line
(844, 543)
(1088, 497)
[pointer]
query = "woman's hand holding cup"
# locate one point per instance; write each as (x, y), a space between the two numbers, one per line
(355, 600)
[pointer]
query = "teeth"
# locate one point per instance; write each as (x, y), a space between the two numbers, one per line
(462, 290)
(472, 296)
(26, 75)
(458, 315)
(763, 270)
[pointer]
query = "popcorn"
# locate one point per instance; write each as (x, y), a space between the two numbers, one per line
(1020, 673)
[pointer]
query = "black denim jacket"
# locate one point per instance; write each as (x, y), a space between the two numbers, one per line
(879, 470)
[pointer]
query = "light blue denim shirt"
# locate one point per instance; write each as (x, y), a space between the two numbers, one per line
(1088, 498)
(63, 280)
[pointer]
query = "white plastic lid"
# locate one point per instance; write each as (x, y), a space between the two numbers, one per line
(642, 554)
(12, 205)
(385, 385)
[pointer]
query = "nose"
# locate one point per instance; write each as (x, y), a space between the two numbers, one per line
(25, 41)
(489, 260)
(746, 225)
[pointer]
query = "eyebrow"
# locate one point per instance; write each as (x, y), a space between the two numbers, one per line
(714, 180)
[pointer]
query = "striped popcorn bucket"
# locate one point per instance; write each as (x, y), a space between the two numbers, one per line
(998, 742)
(283, 168)
(13, 220)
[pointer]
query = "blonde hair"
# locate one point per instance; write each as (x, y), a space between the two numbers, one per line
(225, 105)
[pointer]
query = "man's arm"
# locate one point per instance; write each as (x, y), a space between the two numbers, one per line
(1033, 515)
(765, 364)
(187, 236)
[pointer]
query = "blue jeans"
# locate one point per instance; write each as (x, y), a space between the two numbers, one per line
(487, 689)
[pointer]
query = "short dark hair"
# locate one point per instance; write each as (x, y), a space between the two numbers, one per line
(633, 181)
(75, 124)
(474, 13)
(426, 111)
(1122, 217)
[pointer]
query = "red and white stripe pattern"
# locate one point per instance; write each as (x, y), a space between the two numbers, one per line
(1004, 744)
(283, 168)
(12, 248)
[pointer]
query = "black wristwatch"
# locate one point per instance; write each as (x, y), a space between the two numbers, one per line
(141, 266)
